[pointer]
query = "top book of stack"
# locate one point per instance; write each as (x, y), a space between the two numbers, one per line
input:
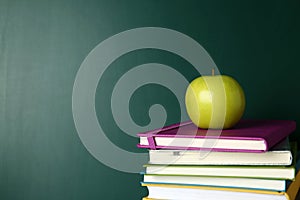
(246, 136)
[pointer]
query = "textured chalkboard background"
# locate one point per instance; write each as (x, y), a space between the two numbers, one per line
(43, 43)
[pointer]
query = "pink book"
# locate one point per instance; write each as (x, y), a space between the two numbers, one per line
(246, 136)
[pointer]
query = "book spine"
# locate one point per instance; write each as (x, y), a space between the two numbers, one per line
(151, 142)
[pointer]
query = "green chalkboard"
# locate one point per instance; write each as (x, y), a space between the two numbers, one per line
(43, 44)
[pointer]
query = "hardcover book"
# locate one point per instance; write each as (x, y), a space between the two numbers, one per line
(279, 155)
(214, 181)
(181, 192)
(276, 172)
(246, 136)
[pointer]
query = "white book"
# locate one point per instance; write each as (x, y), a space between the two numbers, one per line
(242, 183)
(193, 193)
(279, 155)
(275, 172)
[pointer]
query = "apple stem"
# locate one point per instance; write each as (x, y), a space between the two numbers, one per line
(213, 71)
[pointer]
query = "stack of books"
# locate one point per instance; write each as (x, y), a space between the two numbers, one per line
(253, 160)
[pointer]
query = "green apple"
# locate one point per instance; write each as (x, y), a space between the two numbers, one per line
(216, 102)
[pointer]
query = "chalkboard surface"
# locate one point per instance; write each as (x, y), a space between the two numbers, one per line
(43, 44)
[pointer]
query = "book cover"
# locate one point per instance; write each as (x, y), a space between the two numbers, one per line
(246, 136)
(293, 188)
